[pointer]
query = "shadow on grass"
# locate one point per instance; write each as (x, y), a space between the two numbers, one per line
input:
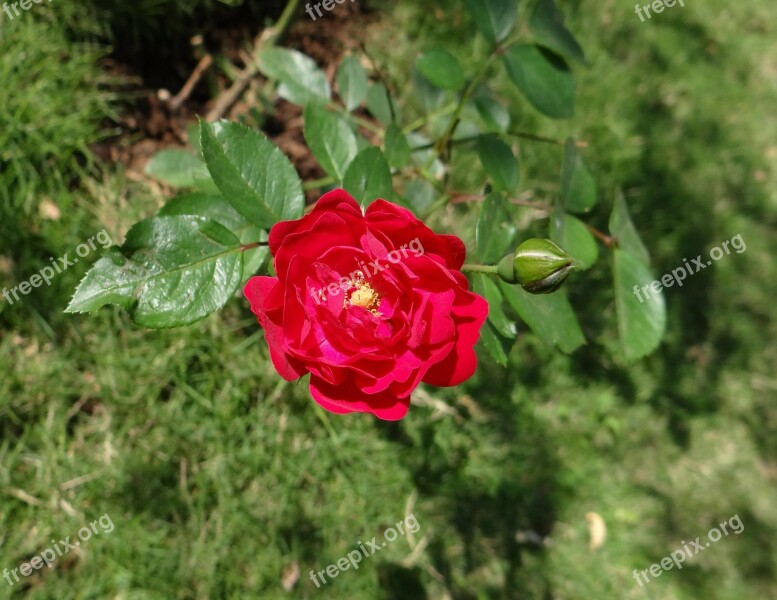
(484, 519)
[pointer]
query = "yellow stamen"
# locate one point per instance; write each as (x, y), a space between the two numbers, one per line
(365, 297)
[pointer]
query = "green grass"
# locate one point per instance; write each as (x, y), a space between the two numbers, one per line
(217, 478)
(50, 111)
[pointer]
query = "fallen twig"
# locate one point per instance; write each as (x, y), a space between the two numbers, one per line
(269, 37)
(177, 101)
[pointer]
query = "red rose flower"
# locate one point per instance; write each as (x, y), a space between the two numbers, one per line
(369, 304)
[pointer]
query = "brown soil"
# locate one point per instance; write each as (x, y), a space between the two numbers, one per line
(148, 124)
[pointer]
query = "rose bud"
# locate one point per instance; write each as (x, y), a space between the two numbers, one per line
(539, 266)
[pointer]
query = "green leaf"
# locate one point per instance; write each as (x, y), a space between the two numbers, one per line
(255, 258)
(641, 315)
(550, 316)
(254, 175)
(218, 209)
(379, 104)
(547, 24)
(497, 346)
(331, 140)
(206, 186)
(578, 186)
(486, 286)
(442, 69)
(544, 78)
(210, 206)
(368, 177)
(177, 168)
(641, 323)
(499, 162)
(494, 115)
(573, 236)
(495, 231)
(193, 136)
(352, 82)
(419, 195)
(396, 146)
(430, 97)
(494, 18)
(171, 271)
(300, 78)
(424, 155)
(623, 230)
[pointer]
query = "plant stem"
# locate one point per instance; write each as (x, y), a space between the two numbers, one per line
(440, 202)
(280, 28)
(382, 79)
(421, 121)
(607, 240)
(542, 138)
(520, 134)
(485, 269)
(253, 245)
(368, 125)
(452, 143)
(444, 141)
(470, 89)
(317, 183)
(267, 38)
(431, 179)
(462, 198)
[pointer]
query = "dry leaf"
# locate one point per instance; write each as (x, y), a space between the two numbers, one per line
(290, 576)
(597, 530)
(48, 210)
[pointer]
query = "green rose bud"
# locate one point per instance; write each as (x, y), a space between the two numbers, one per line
(538, 265)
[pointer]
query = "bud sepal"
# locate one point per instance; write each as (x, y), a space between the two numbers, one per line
(538, 265)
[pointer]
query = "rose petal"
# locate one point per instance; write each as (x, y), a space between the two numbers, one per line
(346, 397)
(462, 362)
(261, 293)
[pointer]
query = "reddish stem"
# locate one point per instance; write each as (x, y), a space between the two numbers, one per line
(253, 245)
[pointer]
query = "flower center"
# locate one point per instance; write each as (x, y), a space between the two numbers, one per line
(364, 296)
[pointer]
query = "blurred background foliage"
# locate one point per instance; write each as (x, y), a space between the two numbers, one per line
(223, 483)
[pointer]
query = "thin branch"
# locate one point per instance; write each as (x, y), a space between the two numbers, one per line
(439, 203)
(453, 142)
(462, 198)
(368, 125)
(253, 245)
(268, 38)
(520, 134)
(314, 184)
(188, 87)
(444, 141)
(542, 138)
(443, 144)
(382, 79)
(607, 240)
(421, 121)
